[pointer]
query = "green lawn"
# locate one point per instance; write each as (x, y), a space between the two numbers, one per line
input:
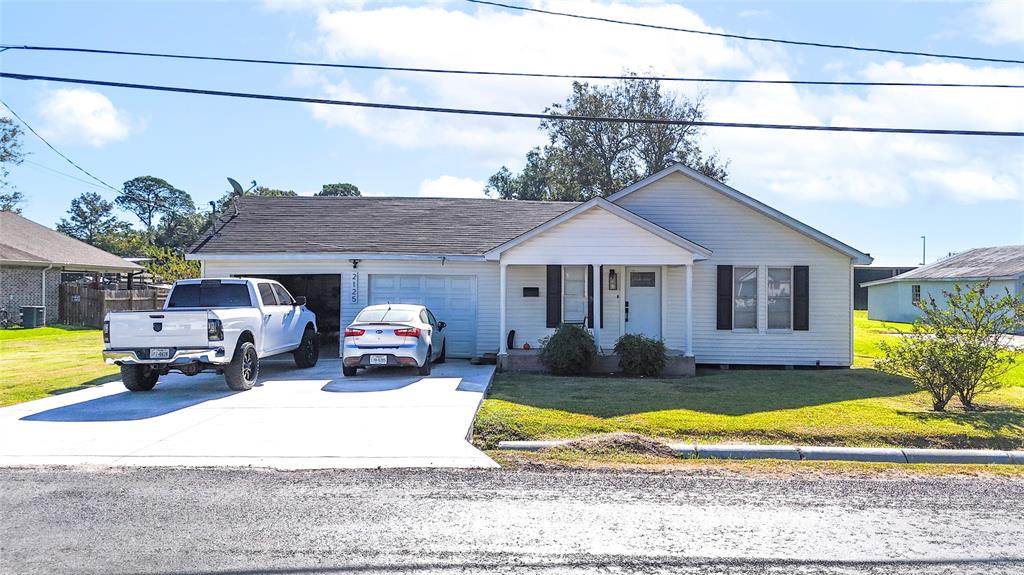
(44, 361)
(838, 407)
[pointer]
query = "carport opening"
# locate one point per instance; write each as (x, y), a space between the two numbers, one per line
(323, 297)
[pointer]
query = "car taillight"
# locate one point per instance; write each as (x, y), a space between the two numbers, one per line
(351, 332)
(106, 331)
(408, 332)
(214, 330)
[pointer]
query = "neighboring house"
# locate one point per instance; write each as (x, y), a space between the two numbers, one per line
(865, 274)
(719, 276)
(33, 257)
(895, 299)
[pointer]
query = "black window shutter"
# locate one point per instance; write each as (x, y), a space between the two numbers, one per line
(801, 298)
(724, 297)
(554, 296)
(590, 296)
(600, 312)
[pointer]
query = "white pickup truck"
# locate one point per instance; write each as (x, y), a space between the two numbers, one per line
(224, 325)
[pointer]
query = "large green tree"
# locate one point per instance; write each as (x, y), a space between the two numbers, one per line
(181, 230)
(584, 159)
(151, 199)
(10, 155)
(92, 220)
(346, 190)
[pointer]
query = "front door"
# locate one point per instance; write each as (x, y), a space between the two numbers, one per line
(643, 301)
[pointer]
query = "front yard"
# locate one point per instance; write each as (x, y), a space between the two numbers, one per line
(44, 361)
(856, 407)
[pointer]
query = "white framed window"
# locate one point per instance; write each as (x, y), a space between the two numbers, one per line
(780, 298)
(915, 293)
(744, 297)
(574, 294)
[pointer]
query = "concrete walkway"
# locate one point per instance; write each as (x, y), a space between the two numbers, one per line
(293, 419)
(815, 453)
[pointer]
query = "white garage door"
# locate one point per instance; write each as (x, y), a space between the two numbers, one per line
(452, 299)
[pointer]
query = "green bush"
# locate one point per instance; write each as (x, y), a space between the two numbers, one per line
(641, 356)
(568, 351)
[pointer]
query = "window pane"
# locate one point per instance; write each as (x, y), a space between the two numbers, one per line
(267, 294)
(641, 279)
(574, 294)
(780, 298)
(283, 297)
(745, 297)
(210, 295)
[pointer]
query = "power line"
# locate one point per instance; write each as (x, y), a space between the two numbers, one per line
(741, 37)
(55, 150)
(65, 174)
(506, 114)
(496, 73)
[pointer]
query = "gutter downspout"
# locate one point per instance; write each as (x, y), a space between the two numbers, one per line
(43, 286)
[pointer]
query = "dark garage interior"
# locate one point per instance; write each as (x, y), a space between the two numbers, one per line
(323, 296)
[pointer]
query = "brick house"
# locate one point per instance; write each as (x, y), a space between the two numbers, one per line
(33, 259)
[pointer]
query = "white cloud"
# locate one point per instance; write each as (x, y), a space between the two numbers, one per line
(1001, 21)
(452, 187)
(754, 13)
(82, 116)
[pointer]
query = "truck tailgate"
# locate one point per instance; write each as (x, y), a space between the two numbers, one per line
(159, 328)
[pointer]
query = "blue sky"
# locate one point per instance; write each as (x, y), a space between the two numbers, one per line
(879, 193)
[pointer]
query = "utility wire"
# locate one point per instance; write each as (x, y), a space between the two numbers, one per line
(741, 37)
(55, 150)
(64, 174)
(505, 114)
(494, 73)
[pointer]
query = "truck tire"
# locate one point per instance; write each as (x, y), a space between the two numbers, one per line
(425, 368)
(348, 371)
(308, 352)
(244, 368)
(139, 377)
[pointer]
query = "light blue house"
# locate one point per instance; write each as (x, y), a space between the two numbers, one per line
(894, 299)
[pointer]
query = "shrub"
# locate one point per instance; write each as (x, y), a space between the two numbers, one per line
(568, 351)
(958, 347)
(640, 355)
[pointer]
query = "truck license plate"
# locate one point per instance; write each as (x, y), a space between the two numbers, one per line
(378, 360)
(159, 353)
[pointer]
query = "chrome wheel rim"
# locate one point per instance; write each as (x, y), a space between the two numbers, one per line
(247, 365)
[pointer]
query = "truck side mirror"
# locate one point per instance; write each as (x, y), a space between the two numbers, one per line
(300, 300)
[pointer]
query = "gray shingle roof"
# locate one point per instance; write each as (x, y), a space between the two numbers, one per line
(978, 263)
(396, 225)
(24, 241)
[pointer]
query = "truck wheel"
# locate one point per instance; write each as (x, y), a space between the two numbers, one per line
(139, 377)
(425, 368)
(348, 371)
(244, 368)
(308, 351)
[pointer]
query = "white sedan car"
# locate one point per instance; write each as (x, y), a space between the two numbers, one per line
(397, 335)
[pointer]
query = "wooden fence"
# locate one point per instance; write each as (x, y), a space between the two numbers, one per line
(82, 305)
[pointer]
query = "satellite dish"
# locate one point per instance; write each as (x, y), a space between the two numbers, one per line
(236, 188)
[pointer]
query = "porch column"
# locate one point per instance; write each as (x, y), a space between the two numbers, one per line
(689, 310)
(596, 320)
(502, 330)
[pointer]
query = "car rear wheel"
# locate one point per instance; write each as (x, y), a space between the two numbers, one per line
(348, 371)
(244, 368)
(308, 352)
(425, 368)
(139, 377)
(444, 356)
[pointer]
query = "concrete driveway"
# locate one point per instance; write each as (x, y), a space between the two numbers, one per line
(293, 419)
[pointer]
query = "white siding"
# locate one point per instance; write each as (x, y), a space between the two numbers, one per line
(593, 237)
(485, 272)
(738, 235)
(894, 301)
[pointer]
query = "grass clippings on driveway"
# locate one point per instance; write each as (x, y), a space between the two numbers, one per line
(44, 361)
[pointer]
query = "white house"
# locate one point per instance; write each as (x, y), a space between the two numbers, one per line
(895, 299)
(717, 275)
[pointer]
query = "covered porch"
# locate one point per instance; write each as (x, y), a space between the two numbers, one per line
(602, 267)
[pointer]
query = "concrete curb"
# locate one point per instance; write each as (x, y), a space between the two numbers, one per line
(815, 453)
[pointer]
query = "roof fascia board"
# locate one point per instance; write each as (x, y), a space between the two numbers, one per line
(951, 279)
(856, 255)
(213, 257)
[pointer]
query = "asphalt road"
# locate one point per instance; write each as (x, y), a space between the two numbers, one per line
(499, 521)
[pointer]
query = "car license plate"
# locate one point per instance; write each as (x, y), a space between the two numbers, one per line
(378, 360)
(159, 353)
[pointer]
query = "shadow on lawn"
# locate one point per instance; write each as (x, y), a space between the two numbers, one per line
(1001, 421)
(732, 392)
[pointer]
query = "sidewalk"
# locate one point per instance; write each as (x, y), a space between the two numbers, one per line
(815, 453)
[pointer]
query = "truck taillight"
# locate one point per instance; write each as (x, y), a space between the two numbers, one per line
(351, 332)
(106, 331)
(408, 332)
(214, 330)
